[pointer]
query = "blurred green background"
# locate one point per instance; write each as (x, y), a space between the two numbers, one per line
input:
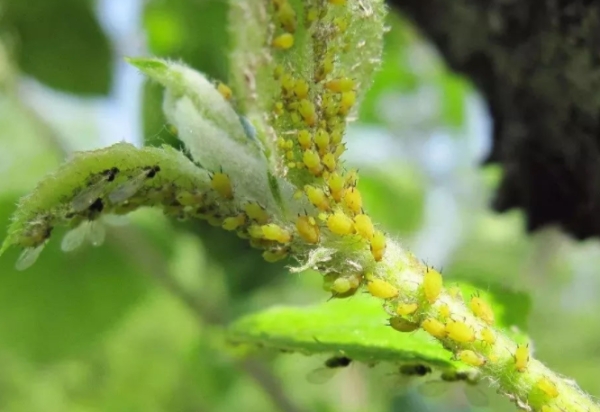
(137, 324)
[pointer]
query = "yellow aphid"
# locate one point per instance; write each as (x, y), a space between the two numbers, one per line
(336, 136)
(460, 332)
(301, 89)
(340, 224)
(482, 310)
(340, 85)
(317, 197)
(307, 229)
(364, 226)
(312, 14)
(329, 161)
(402, 325)
(455, 292)
(311, 159)
(339, 150)
(275, 255)
(471, 358)
(255, 232)
(283, 42)
(278, 108)
(324, 69)
(289, 155)
(351, 178)
(432, 285)
(444, 310)
(345, 286)
(307, 111)
(382, 289)
(353, 200)
(335, 182)
(287, 17)
(278, 72)
(222, 185)
(347, 101)
(274, 232)
(378, 244)
(488, 336)
(304, 139)
(291, 165)
(225, 91)
(322, 140)
(434, 327)
(337, 2)
(404, 309)
(287, 84)
(189, 198)
(548, 387)
(233, 223)
(521, 357)
(256, 212)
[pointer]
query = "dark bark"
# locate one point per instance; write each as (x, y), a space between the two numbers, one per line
(537, 62)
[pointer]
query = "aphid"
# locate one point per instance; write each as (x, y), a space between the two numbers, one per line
(304, 139)
(416, 369)
(312, 161)
(307, 111)
(287, 84)
(335, 182)
(343, 84)
(402, 325)
(344, 286)
(255, 232)
(336, 136)
(274, 232)
(221, 184)
(378, 244)
(455, 292)
(317, 197)
(444, 310)
(329, 162)
(548, 387)
(351, 178)
(341, 24)
(308, 229)
(87, 196)
(364, 226)
(340, 224)
(482, 310)
(130, 187)
(353, 200)
(488, 336)
(283, 42)
(28, 256)
(404, 309)
(521, 357)
(339, 150)
(324, 69)
(234, 222)
(322, 141)
(275, 255)
(225, 91)
(256, 212)
(287, 17)
(347, 101)
(301, 89)
(278, 72)
(382, 289)
(434, 327)
(460, 332)
(186, 198)
(331, 367)
(94, 231)
(471, 358)
(432, 284)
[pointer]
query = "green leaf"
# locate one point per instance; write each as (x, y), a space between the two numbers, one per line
(355, 327)
(64, 305)
(60, 43)
(59, 197)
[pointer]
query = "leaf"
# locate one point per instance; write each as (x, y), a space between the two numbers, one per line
(60, 43)
(64, 305)
(85, 178)
(213, 132)
(354, 327)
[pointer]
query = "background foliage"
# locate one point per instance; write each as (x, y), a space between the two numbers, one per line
(137, 324)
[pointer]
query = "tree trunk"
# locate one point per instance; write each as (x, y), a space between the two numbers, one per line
(537, 62)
